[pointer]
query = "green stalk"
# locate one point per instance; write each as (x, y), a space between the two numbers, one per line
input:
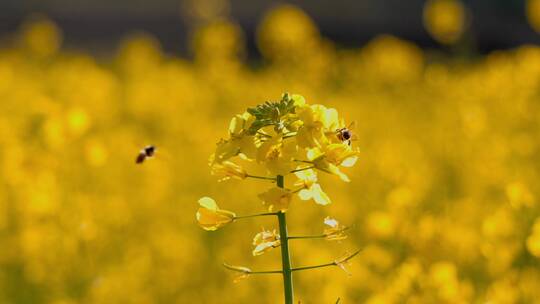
(285, 256)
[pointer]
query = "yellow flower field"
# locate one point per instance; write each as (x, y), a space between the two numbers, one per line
(443, 200)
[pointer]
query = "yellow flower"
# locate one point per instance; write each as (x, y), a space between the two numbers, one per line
(311, 189)
(264, 241)
(335, 231)
(533, 14)
(445, 19)
(210, 217)
(227, 170)
(277, 199)
(330, 157)
(237, 145)
(240, 124)
(317, 122)
(533, 241)
(276, 154)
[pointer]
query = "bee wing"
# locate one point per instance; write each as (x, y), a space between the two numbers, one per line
(352, 125)
(354, 137)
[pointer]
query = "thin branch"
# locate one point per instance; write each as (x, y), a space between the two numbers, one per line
(302, 169)
(298, 190)
(320, 236)
(333, 263)
(313, 267)
(262, 134)
(248, 271)
(254, 215)
(261, 177)
(266, 272)
(303, 161)
(297, 237)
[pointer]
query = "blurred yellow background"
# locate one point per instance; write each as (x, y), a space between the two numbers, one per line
(444, 199)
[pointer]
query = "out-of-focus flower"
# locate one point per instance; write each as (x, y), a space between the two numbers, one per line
(533, 241)
(335, 231)
(227, 170)
(381, 224)
(95, 152)
(264, 241)
(210, 217)
(445, 19)
(277, 199)
(519, 195)
(533, 14)
(286, 33)
(307, 180)
(41, 36)
(78, 121)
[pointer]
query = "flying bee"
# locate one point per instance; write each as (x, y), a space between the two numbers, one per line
(146, 152)
(346, 134)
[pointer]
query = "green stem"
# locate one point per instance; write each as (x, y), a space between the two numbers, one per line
(254, 215)
(285, 255)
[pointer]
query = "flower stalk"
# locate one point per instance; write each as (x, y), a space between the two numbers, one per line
(285, 254)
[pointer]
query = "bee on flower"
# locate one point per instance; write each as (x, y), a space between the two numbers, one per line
(330, 158)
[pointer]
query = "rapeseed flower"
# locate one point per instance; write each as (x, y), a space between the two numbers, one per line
(329, 158)
(276, 199)
(210, 217)
(227, 170)
(264, 241)
(310, 189)
(334, 230)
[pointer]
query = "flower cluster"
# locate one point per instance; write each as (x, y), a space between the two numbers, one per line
(287, 137)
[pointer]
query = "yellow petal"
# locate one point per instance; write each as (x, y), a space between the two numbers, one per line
(349, 162)
(208, 203)
(277, 199)
(305, 195)
(319, 196)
